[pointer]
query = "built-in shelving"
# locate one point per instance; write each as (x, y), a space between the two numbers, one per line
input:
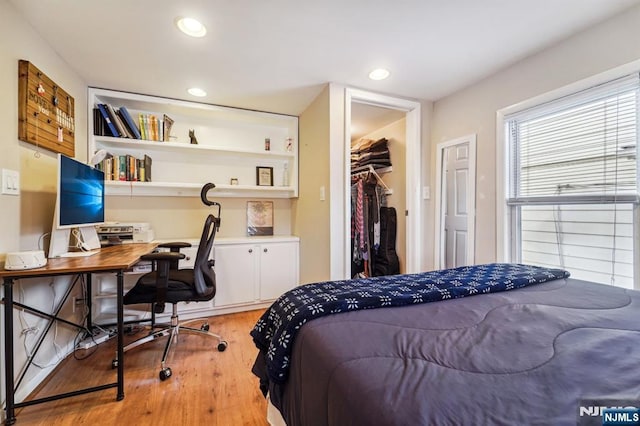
(231, 145)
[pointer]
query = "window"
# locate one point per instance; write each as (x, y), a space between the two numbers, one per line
(572, 183)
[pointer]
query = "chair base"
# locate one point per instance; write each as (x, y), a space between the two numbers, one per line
(172, 330)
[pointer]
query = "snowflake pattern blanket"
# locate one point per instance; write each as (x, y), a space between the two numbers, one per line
(275, 331)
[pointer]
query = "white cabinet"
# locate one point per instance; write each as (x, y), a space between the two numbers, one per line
(278, 269)
(231, 144)
(255, 272)
(251, 272)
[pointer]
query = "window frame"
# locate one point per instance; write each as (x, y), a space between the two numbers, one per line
(507, 216)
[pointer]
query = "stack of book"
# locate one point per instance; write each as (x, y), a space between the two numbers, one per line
(126, 168)
(153, 128)
(119, 123)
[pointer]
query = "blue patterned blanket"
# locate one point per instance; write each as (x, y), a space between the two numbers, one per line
(275, 331)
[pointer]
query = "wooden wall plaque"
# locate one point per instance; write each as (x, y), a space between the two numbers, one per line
(46, 116)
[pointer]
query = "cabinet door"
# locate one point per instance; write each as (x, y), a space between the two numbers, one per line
(278, 269)
(236, 269)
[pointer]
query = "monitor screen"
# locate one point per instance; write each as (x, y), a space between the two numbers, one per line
(80, 194)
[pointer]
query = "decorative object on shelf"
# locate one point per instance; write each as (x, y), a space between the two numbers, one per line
(42, 119)
(259, 218)
(192, 137)
(264, 176)
(167, 122)
(288, 144)
(267, 144)
(234, 181)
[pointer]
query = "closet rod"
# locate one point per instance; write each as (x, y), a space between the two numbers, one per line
(377, 176)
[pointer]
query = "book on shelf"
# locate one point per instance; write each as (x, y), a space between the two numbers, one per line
(122, 167)
(113, 131)
(129, 123)
(153, 124)
(147, 168)
(98, 123)
(126, 168)
(154, 128)
(115, 119)
(141, 170)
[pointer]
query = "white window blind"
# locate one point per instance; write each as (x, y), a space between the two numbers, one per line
(573, 174)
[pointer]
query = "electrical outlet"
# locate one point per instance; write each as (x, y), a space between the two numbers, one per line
(77, 302)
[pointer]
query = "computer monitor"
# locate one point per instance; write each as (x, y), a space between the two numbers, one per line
(79, 205)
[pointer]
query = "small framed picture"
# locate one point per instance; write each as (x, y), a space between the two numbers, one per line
(264, 176)
(259, 218)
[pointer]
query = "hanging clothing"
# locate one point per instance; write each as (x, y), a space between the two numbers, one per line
(367, 231)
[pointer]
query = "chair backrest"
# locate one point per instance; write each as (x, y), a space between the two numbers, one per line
(204, 274)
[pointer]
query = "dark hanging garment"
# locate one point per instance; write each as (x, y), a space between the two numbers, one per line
(385, 260)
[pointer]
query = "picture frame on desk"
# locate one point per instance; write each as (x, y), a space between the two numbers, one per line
(264, 176)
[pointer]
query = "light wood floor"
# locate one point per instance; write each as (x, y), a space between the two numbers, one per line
(207, 386)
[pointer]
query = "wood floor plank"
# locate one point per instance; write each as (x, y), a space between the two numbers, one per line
(207, 386)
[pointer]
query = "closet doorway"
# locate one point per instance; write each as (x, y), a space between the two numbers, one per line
(455, 203)
(372, 116)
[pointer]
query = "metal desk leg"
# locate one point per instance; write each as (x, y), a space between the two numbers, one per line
(88, 302)
(120, 320)
(8, 345)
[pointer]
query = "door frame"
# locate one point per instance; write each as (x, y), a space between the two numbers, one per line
(413, 177)
(439, 240)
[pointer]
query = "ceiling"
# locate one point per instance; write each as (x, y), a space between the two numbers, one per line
(278, 55)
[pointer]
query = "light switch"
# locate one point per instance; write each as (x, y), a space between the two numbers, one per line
(322, 194)
(10, 182)
(426, 192)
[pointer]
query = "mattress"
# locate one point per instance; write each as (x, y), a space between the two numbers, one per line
(534, 355)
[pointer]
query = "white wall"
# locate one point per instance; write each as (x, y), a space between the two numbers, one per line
(24, 219)
(473, 110)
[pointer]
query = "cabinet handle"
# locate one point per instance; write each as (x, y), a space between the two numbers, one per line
(265, 250)
(250, 250)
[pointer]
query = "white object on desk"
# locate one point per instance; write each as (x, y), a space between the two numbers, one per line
(25, 260)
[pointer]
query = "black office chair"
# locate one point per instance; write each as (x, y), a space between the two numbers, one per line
(168, 284)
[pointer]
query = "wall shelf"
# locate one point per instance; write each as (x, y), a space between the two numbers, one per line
(181, 189)
(231, 144)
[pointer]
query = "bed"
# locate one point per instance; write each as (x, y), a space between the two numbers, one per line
(549, 351)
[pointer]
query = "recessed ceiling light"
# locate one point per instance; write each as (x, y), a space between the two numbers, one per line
(195, 91)
(379, 74)
(191, 27)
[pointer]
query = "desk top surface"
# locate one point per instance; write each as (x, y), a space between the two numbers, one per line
(113, 258)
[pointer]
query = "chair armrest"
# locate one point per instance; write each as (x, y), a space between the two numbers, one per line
(166, 256)
(174, 245)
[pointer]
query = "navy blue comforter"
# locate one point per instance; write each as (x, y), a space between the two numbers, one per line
(275, 331)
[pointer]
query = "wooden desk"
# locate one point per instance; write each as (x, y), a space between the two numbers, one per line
(116, 259)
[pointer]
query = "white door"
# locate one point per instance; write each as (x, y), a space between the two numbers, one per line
(456, 173)
(455, 201)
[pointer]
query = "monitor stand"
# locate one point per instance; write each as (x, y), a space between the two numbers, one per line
(88, 239)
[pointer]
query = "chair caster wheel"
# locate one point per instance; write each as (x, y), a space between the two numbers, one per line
(165, 373)
(204, 327)
(222, 345)
(114, 363)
